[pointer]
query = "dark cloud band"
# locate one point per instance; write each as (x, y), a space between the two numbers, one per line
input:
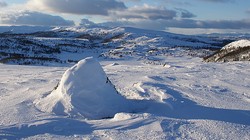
(81, 7)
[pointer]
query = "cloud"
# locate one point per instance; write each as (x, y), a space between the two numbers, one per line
(248, 11)
(145, 12)
(33, 18)
(218, 0)
(81, 7)
(185, 13)
(212, 24)
(3, 4)
(130, 0)
(161, 18)
(143, 24)
(183, 23)
(87, 23)
(190, 23)
(192, 31)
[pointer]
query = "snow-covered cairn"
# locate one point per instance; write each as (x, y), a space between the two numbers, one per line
(84, 90)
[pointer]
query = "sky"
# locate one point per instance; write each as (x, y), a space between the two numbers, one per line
(177, 16)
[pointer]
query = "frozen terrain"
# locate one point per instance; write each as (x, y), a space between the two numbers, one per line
(186, 99)
(170, 91)
(63, 45)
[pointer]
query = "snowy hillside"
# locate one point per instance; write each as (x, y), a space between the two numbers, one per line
(235, 51)
(64, 45)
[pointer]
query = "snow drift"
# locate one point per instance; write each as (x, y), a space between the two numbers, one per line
(85, 91)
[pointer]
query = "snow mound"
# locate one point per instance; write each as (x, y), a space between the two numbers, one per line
(85, 91)
(237, 44)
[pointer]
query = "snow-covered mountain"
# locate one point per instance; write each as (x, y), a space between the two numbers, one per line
(71, 44)
(235, 51)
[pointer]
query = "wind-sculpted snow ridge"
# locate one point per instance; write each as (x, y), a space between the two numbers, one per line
(235, 51)
(85, 91)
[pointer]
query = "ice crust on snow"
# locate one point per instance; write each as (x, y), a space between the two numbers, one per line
(86, 91)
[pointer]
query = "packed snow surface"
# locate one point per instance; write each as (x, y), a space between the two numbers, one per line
(84, 90)
(187, 99)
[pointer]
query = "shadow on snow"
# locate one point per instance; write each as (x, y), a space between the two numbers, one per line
(176, 107)
(55, 126)
(182, 108)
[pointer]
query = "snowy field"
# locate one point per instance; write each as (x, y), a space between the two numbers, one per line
(184, 99)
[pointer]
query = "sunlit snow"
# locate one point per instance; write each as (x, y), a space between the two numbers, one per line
(150, 93)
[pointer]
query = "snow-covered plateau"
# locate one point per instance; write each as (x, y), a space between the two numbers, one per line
(148, 85)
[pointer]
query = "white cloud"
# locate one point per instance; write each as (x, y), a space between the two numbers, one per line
(81, 7)
(33, 18)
